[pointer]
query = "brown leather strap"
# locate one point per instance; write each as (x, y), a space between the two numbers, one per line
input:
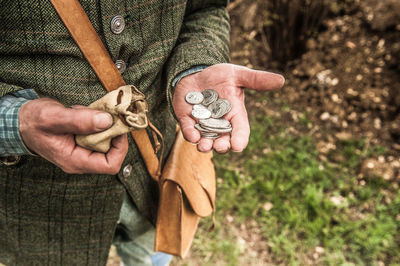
(85, 36)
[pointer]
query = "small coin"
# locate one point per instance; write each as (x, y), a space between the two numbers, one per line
(219, 108)
(201, 129)
(217, 130)
(210, 135)
(215, 123)
(210, 96)
(194, 97)
(201, 113)
(199, 106)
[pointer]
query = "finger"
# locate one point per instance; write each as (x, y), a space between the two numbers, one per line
(189, 132)
(85, 161)
(222, 144)
(76, 121)
(240, 129)
(205, 145)
(116, 155)
(257, 79)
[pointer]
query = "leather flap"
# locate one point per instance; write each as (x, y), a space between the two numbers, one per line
(194, 173)
(176, 226)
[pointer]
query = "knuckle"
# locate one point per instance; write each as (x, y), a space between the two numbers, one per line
(69, 170)
(113, 170)
(80, 127)
(42, 116)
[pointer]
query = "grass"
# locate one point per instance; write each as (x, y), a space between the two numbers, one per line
(304, 210)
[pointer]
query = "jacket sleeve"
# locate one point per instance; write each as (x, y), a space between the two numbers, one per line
(203, 39)
(8, 88)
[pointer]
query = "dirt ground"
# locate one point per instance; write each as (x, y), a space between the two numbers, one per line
(348, 80)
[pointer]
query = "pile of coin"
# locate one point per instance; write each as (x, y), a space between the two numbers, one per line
(209, 109)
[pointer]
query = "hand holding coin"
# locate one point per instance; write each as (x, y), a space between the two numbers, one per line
(194, 98)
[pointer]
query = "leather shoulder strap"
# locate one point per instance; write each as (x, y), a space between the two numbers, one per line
(85, 36)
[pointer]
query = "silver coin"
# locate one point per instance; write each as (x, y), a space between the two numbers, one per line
(199, 106)
(210, 135)
(210, 96)
(194, 97)
(215, 123)
(217, 130)
(219, 108)
(201, 129)
(201, 113)
(218, 127)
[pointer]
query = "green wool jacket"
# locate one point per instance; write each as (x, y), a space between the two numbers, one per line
(48, 217)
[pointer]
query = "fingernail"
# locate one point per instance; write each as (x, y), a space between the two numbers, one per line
(282, 81)
(102, 120)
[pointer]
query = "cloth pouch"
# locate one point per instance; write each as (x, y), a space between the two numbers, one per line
(128, 108)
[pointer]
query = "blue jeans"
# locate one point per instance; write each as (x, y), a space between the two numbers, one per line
(134, 238)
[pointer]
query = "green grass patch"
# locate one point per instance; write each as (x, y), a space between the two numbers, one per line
(314, 203)
(307, 209)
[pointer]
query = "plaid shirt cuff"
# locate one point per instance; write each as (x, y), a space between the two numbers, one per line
(188, 72)
(10, 139)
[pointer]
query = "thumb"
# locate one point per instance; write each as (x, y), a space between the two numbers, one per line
(257, 79)
(80, 120)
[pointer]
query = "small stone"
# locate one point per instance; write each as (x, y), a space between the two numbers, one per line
(377, 123)
(338, 200)
(352, 92)
(268, 206)
(325, 116)
(319, 250)
(335, 98)
(351, 45)
(344, 135)
(370, 165)
(352, 116)
(381, 44)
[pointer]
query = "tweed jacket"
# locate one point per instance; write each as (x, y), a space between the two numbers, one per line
(48, 217)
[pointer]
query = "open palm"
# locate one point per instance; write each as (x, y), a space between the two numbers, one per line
(229, 81)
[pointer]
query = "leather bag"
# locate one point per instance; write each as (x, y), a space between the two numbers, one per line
(187, 188)
(187, 182)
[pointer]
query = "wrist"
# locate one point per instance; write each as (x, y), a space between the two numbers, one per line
(186, 73)
(11, 140)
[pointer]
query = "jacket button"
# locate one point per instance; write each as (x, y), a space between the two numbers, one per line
(126, 172)
(117, 24)
(10, 160)
(121, 66)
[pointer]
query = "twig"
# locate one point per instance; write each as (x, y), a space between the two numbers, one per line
(265, 41)
(365, 149)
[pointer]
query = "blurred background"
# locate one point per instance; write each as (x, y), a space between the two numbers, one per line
(319, 181)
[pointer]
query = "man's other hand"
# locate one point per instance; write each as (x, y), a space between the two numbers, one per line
(48, 128)
(228, 80)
